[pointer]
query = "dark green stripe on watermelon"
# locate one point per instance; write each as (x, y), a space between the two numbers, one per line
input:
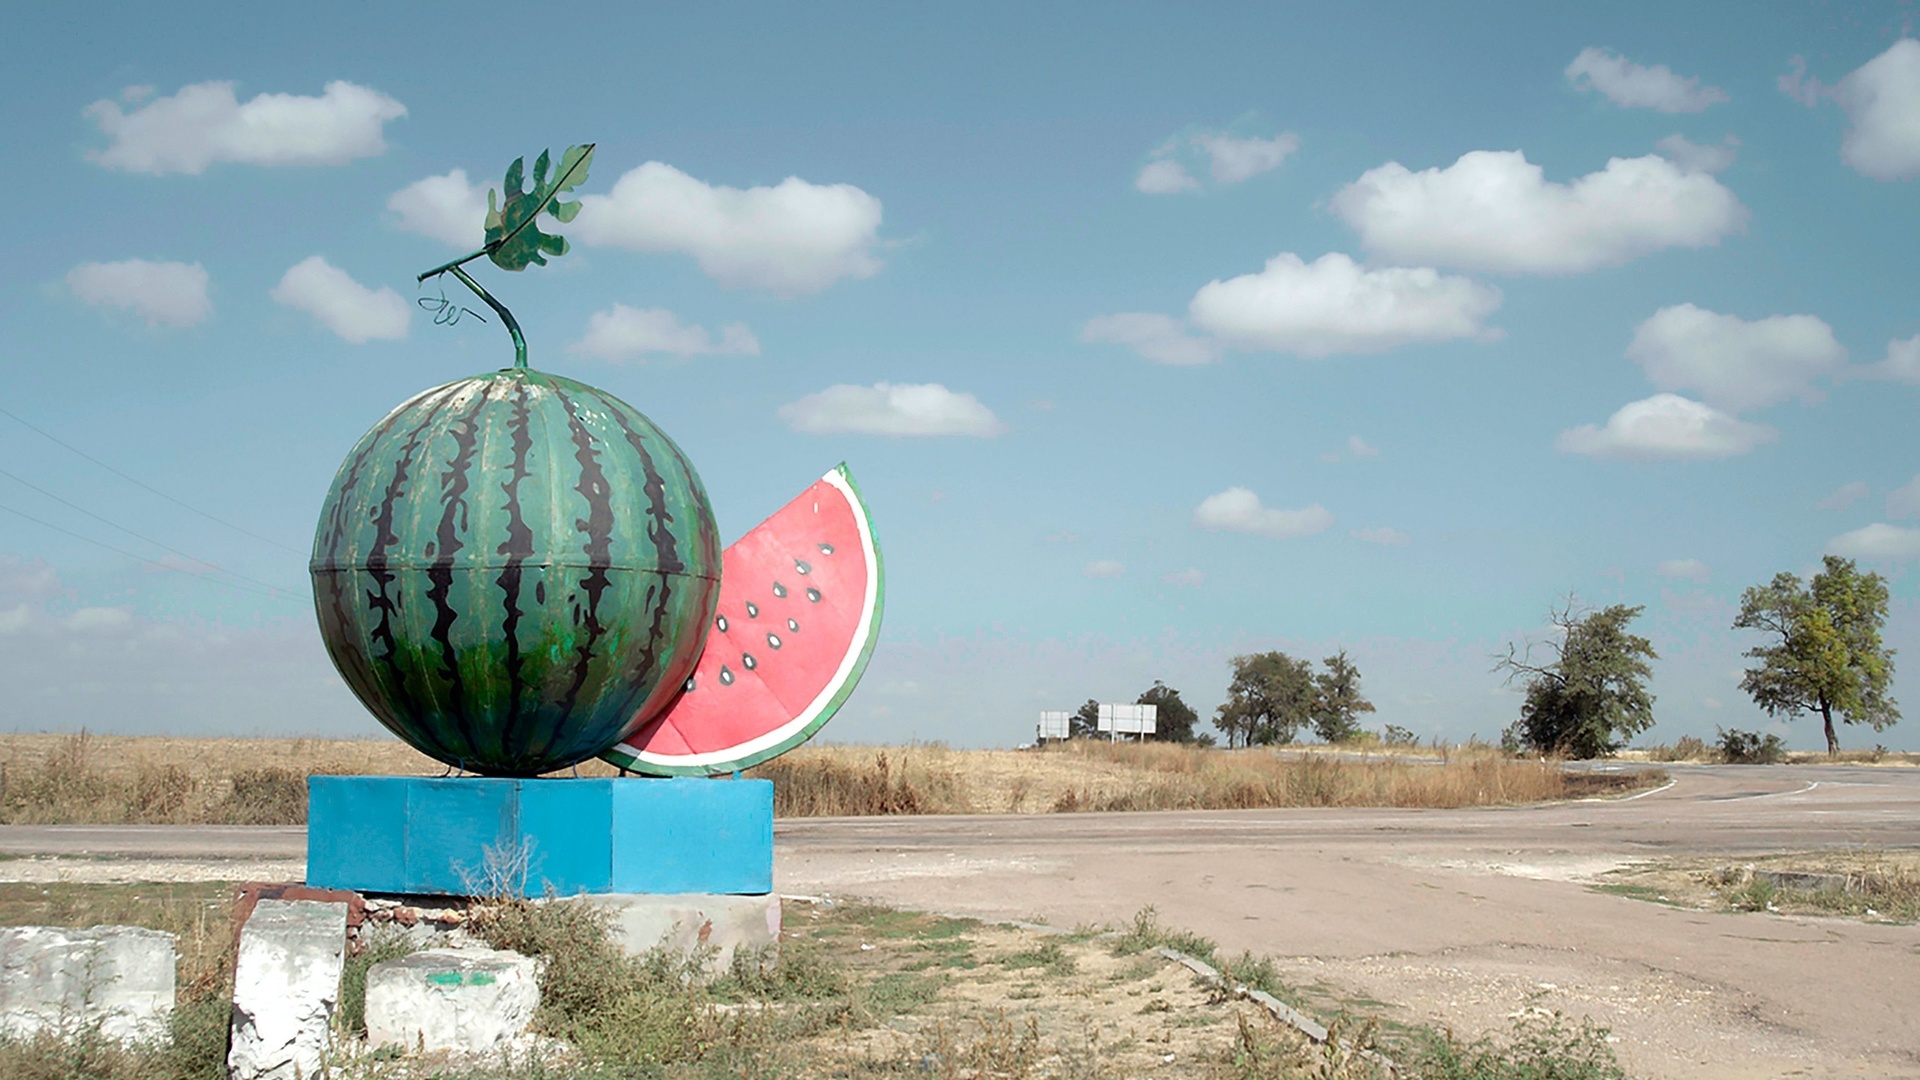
(540, 562)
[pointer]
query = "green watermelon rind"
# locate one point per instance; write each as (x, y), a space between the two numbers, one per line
(619, 756)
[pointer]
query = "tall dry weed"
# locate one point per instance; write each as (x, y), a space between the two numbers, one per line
(832, 782)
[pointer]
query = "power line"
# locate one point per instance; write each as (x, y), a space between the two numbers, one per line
(140, 536)
(276, 594)
(148, 487)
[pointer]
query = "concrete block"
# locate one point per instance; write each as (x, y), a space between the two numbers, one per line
(416, 835)
(286, 980)
(688, 922)
(463, 1000)
(118, 977)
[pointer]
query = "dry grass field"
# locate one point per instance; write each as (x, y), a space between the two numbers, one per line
(98, 779)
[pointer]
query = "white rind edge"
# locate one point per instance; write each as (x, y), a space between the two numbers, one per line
(858, 648)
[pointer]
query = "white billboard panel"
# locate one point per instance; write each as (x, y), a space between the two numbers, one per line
(1129, 719)
(1055, 725)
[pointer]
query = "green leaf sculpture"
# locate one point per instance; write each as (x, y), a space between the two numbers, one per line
(514, 238)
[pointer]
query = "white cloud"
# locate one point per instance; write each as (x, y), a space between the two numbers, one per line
(1356, 447)
(1878, 541)
(1689, 569)
(1493, 210)
(1844, 496)
(1332, 305)
(1732, 363)
(1190, 578)
(1638, 86)
(1882, 102)
(163, 293)
(1695, 157)
(1902, 363)
(15, 619)
(1233, 160)
(1160, 338)
(1164, 177)
(1103, 568)
(890, 409)
(1800, 86)
(98, 619)
(792, 238)
(624, 333)
(1238, 510)
(341, 304)
(1229, 160)
(1665, 427)
(1388, 537)
(1904, 501)
(23, 579)
(447, 208)
(204, 123)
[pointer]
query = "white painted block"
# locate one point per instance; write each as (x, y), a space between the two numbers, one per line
(463, 1000)
(286, 980)
(687, 922)
(117, 977)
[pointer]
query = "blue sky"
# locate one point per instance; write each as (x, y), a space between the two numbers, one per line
(1153, 336)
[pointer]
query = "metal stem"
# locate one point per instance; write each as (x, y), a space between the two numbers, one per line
(462, 261)
(513, 326)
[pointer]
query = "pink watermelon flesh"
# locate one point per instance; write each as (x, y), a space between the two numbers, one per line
(799, 611)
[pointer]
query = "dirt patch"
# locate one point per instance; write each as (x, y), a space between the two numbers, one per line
(1880, 886)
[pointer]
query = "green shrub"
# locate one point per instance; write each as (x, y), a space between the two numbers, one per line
(1751, 748)
(1542, 1046)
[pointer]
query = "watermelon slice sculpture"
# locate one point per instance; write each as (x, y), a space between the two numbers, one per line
(798, 615)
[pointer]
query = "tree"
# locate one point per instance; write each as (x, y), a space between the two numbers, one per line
(1592, 697)
(1085, 724)
(1174, 720)
(1338, 705)
(1271, 697)
(1826, 655)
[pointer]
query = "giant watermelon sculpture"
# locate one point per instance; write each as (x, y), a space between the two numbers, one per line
(517, 572)
(510, 568)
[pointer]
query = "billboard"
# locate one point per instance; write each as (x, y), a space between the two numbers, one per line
(1128, 719)
(1055, 725)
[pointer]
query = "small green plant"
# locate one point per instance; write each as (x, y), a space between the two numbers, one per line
(1146, 932)
(1048, 954)
(390, 943)
(1395, 735)
(1542, 1046)
(1751, 748)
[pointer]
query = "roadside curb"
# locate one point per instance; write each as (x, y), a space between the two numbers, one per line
(1280, 1010)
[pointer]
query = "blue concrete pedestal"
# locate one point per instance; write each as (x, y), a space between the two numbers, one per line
(415, 835)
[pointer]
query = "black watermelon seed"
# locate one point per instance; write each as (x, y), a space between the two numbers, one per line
(720, 624)
(813, 595)
(689, 687)
(800, 567)
(747, 661)
(753, 610)
(793, 626)
(726, 675)
(773, 640)
(779, 590)
(826, 549)
(540, 592)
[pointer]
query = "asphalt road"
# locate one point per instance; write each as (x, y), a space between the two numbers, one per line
(1460, 917)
